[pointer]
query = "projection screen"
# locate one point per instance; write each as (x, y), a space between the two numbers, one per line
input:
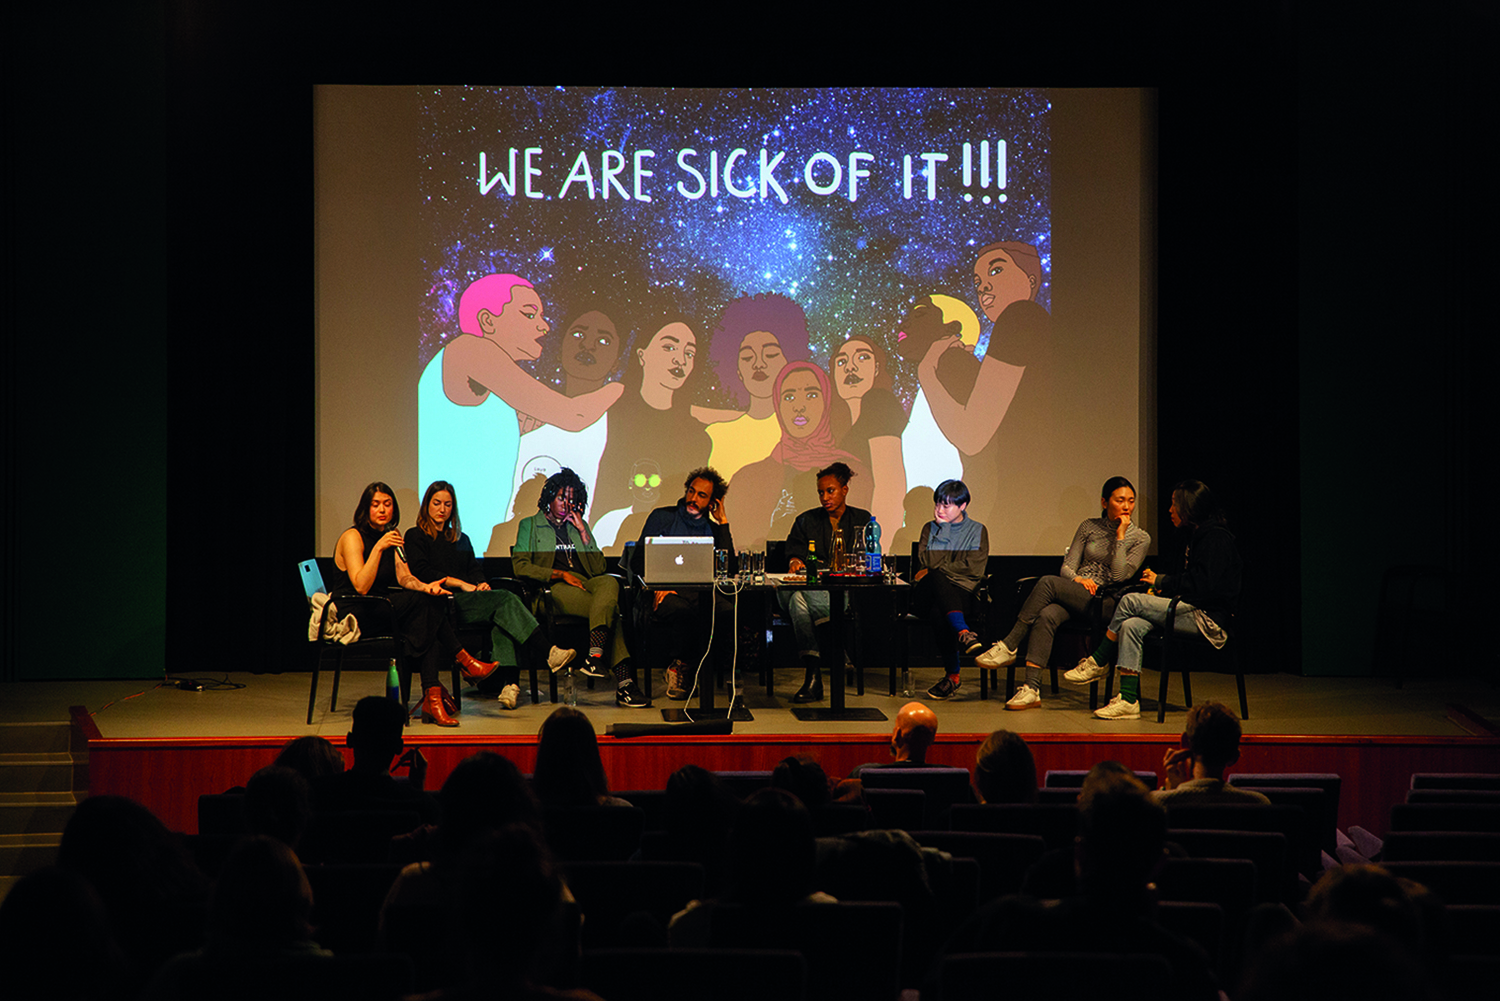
(922, 283)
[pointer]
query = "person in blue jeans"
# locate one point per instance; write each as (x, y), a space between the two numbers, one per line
(1208, 586)
(806, 608)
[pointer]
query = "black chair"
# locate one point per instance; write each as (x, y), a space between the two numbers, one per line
(222, 813)
(943, 787)
(1071, 778)
(1479, 817)
(1455, 780)
(1453, 795)
(377, 640)
(346, 903)
(350, 836)
(1441, 846)
(1003, 858)
(828, 935)
(556, 622)
(1322, 823)
(1056, 824)
(1176, 651)
(979, 613)
(896, 809)
(1197, 921)
(1274, 879)
(728, 974)
(292, 978)
(1303, 852)
(1464, 882)
(1329, 782)
(833, 819)
(593, 833)
(744, 783)
(608, 892)
(651, 802)
(1054, 976)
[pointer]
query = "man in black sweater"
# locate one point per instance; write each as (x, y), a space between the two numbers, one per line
(673, 616)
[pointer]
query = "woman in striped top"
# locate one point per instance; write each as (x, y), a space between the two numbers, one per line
(1106, 551)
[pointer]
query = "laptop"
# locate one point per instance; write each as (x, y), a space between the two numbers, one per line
(673, 559)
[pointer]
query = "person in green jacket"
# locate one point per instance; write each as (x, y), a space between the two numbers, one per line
(556, 548)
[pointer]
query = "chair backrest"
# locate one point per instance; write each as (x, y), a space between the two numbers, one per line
(1454, 882)
(1054, 823)
(1302, 847)
(222, 813)
(1453, 795)
(312, 578)
(853, 949)
(1455, 780)
(896, 809)
(1322, 817)
(1230, 883)
(1441, 846)
(609, 891)
(594, 833)
(1072, 778)
(651, 802)
(1197, 921)
(1057, 976)
(943, 787)
(833, 819)
(688, 974)
(1003, 858)
(1482, 817)
(356, 835)
(346, 903)
(744, 783)
(1274, 879)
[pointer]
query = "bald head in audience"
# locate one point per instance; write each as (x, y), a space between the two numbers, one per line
(916, 729)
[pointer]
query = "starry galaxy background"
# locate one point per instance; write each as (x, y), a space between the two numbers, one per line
(854, 267)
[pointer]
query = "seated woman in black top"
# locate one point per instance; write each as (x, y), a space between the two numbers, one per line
(440, 553)
(368, 553)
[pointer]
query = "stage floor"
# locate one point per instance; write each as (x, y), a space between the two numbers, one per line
(275, 705)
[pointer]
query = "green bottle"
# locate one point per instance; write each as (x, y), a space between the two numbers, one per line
(812, 562)
(393, 683)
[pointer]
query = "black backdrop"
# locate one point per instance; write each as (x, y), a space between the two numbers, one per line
(158, 414)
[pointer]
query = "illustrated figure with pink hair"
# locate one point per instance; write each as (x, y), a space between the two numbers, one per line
(474, 401)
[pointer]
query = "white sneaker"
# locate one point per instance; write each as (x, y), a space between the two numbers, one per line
(998, 655)
(1087, 671)
(1026, 697)
(558, 658)
(1118, 708)
(508, 696)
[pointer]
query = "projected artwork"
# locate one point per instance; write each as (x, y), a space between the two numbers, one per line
(636, 282)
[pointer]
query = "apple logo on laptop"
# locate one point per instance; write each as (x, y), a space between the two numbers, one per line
(678, 559)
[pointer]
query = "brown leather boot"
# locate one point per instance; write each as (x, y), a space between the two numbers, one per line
(432, 708)
(474, 670)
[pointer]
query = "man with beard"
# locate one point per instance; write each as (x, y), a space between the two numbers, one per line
(672, 617)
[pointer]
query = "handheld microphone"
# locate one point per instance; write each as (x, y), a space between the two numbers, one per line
(401, 552)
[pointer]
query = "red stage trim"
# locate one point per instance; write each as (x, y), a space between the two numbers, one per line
(168, 775)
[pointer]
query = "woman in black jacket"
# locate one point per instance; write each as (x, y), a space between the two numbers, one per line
(1207, 586)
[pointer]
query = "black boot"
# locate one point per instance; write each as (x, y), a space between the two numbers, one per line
(812, 684)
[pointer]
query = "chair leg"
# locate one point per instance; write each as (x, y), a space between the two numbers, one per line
(338, 669)
(458, 694)
(312, 692)
(1239, 678)
(1054, 679)
(536, 695)
(1161, 700)
(1187, 688)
